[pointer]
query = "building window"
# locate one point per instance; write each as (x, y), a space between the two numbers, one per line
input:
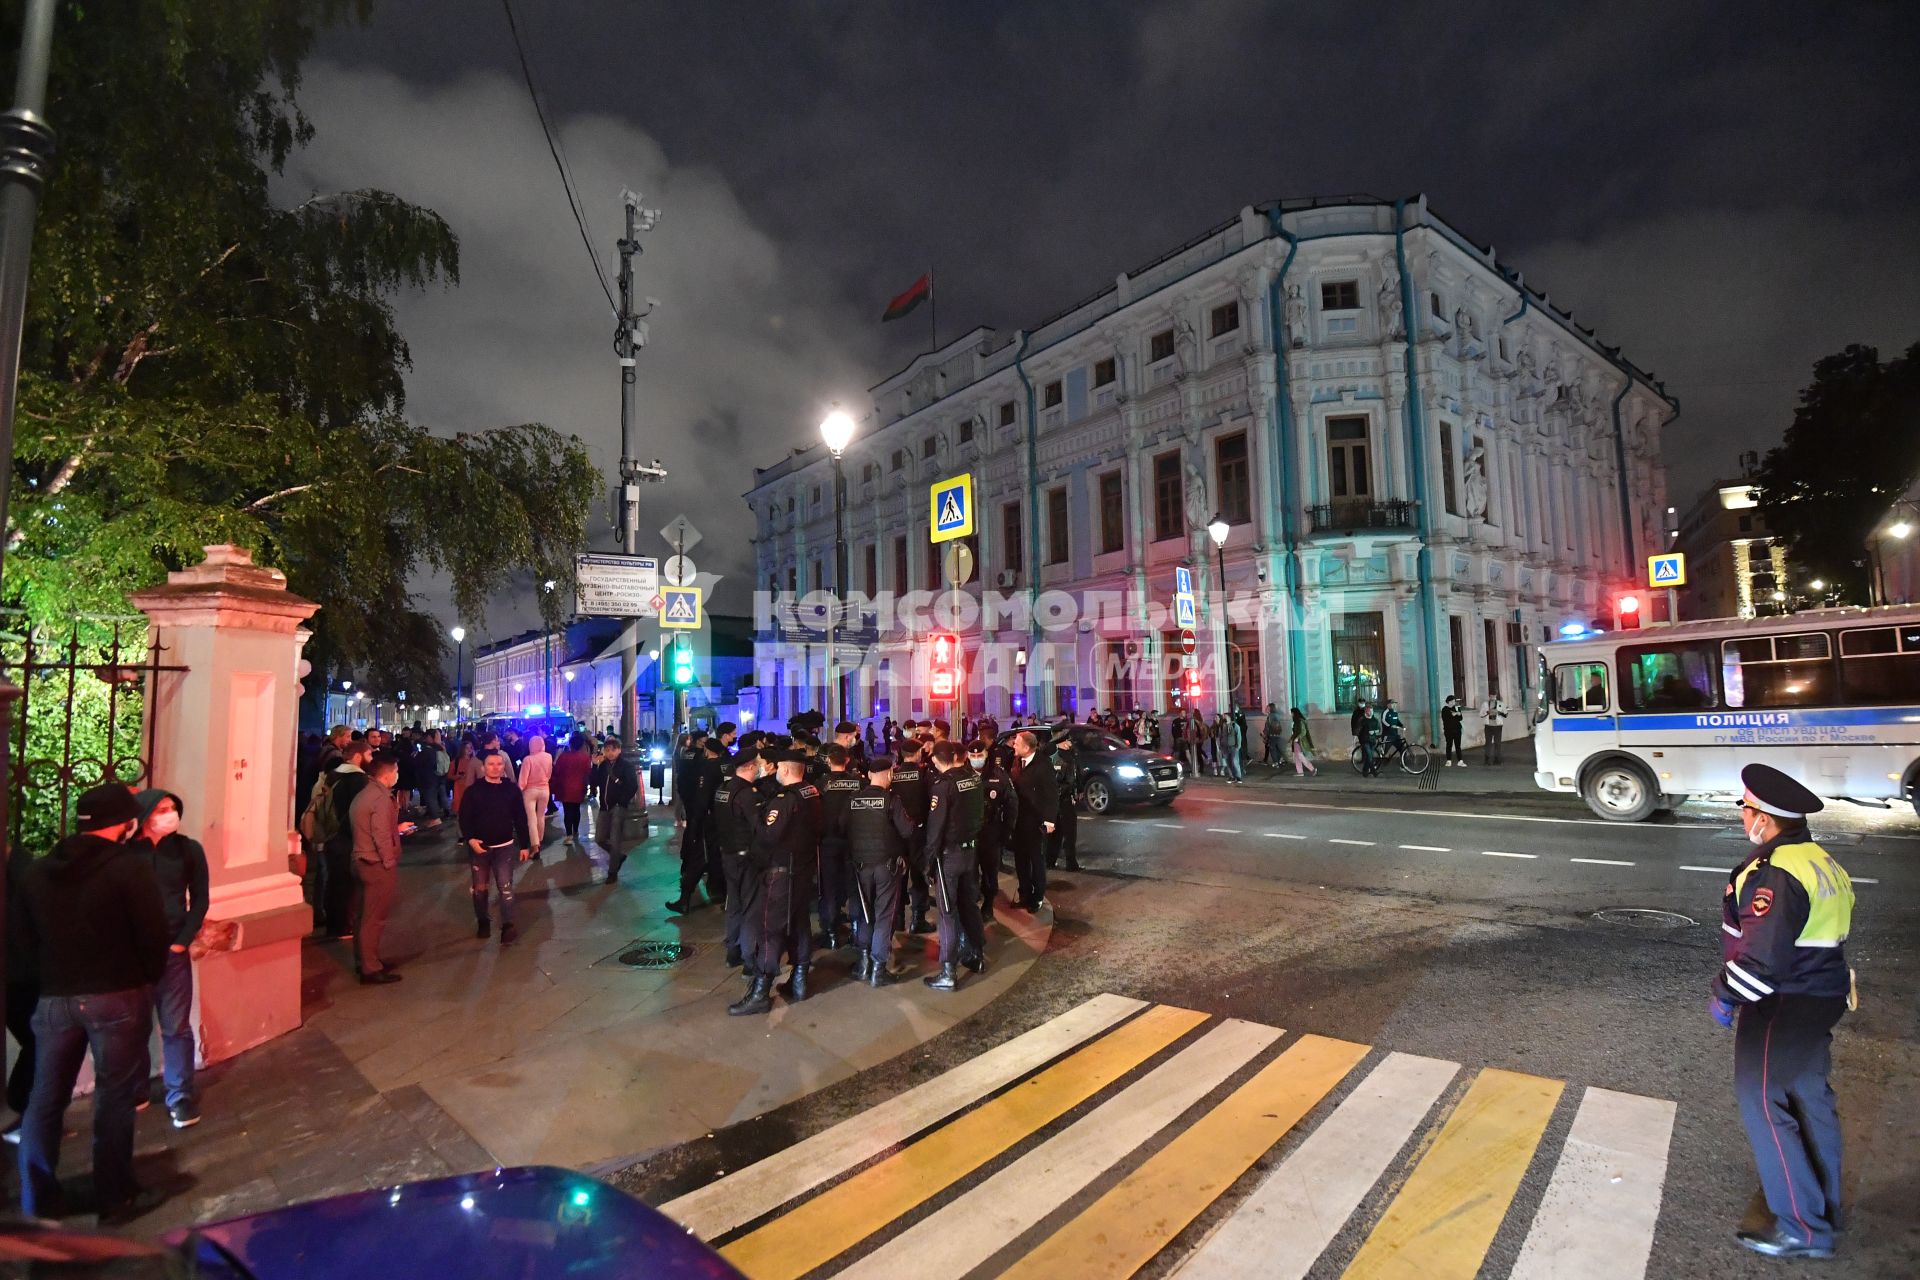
(1232, 479)
(1052, 395)
(1449, 487)
(815, 501)
(929, 446)
(1457, 640)
(899, 459)
(1104, 371)
(1007, 412)
(789, 504)
(873, 569)
(1491, 631)
(793, 578)
(1223, 319)
(1243, 666)
(900, 583)
(1347, 463)
(1359, 661)
(1010, 535)
(1057, 541)
(1112, 514)
(1340, 295)
(935, 554)
(1746, 524)
(1169, 521)
(1160, 347)
(819, 580)
(966, 432)
(1436, 306)
(1503, 346)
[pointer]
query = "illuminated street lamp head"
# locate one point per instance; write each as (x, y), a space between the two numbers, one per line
(1218, 531)
(517, 686)
(346, 684)
(837, 430)
(1779, 596)
(459, 635)
(1899, 528)
(569, 676)
(1818, 584)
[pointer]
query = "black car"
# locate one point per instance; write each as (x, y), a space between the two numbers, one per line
(1111, 772)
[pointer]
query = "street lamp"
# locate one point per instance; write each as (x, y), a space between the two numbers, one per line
(836, 429)
(1218, 530)
(459, 635)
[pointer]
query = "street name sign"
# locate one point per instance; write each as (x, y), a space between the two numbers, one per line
(680, 609)
(952, 508)
(613, 586)
(1668, 570)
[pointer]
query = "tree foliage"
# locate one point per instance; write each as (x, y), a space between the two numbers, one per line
(205, 365)
(1853, 447)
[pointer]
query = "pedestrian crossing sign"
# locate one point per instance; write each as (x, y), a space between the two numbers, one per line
(1669, 570)
(680, 608)
(1182, 580)
(953, 508)
(1183, 611)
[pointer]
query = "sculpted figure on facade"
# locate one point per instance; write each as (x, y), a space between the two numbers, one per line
(1296, 317)
(1528, 375)
(1392, 319)
(1199, 513)
(1474, 475)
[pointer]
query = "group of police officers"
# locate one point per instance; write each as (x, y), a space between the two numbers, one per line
(783, 829)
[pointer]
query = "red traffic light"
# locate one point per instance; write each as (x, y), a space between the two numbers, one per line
(944, 657)
(1626, 612)
(1629, 604)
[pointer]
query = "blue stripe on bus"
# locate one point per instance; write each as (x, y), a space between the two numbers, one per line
(1592, 724)
(1742, 719)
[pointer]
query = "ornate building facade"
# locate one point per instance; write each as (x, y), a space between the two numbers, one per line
(1423, 469)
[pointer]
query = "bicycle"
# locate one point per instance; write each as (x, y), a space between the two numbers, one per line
(1414, 758)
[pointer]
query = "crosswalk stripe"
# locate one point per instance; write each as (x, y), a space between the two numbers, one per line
(1440, 1224)
(737, 1199)
(1596, 1222)
(1279, 1231)
(847, 1212)
(968, 1231)
(1123, 1230)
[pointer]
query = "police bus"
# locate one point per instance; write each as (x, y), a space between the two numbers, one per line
(1636, 721)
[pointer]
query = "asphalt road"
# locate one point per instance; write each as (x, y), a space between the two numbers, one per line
(1456, 927)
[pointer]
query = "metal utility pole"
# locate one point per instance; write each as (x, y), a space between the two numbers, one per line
(628, 338)
(26, 149)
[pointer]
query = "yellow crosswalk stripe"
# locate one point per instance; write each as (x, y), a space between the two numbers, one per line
(834, 1221)
(1123, 1230)
(1440, 1224)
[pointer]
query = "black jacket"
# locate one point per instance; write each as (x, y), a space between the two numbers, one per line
(1038, 790)
(493, 813)
(180, 866)
(956, 807)
(88, 919)
(618, 782)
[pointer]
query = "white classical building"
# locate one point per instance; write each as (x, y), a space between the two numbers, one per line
(1389, 533)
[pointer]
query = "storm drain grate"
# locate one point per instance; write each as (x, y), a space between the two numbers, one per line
(655, 955)
(1644, 918)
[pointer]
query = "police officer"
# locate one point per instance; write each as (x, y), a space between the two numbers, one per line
(1785, 917)
(700, 775)
(880, 830)
(996, 826)
(736, 816)
(1065, 836)
(910, 783)
(839, 787)
(956, 807)
(785, 845)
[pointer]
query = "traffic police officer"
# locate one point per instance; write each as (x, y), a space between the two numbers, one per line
(839, 786)
(1785, 916)
(785, 845)
(956, 807)
(880, 830)
(736, 816)
(997, 825)
(910, 783)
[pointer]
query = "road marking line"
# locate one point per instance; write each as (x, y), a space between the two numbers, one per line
(1718, 871)
(1428, 848)
(1337, 840)
(1495, 853)
(1602, 862)
(1172, 826)
(1123, 1230)
(1440, 1224)
(1224, 831)
(1280, 1230)
(1598, 1215)
(970, 1229)
(821, 1229)
(1282, 835)
(739, 1198)
(1491, 817)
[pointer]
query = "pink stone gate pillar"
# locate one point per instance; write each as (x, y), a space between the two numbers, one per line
(224, 740)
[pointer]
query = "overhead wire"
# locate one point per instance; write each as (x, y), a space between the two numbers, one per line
(559, 159)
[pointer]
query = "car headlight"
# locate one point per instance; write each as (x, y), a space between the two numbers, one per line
(1129, 771)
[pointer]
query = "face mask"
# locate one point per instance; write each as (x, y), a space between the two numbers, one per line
(978, 762)
(164, 824)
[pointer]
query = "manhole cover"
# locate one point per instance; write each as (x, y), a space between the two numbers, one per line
(1643, 918)
(655, 955)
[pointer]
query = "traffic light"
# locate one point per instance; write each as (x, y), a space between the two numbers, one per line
(1626, 611)
(943, 666)
(1190, 685)
(681, 669)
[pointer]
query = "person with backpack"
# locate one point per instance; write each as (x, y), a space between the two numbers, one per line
(327, 829)
(434, 766)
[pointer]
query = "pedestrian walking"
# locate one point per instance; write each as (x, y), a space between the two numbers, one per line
(1300, 743)
(333, 799)
(1038, 792)
(1232, 748)
(89, 921)
(180, 868)
(1783, 986)
(1273, 737)
(376, 825)
(1451, 721)
(434, 766)
(1364, 728)
(619, 784)
(956, 809)
(465, 772)
(536, 788)
(493, 821)
(1492, 717)
(572, 769)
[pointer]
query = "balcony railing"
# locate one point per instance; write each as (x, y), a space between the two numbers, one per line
(1355, 514)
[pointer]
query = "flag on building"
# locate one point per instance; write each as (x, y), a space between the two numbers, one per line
(918, 292)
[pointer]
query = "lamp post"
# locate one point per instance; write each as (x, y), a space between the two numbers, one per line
(1899, 530)
(546, 672)
(1217, 531)
(837, 430)
(567, 675)
(459, 635)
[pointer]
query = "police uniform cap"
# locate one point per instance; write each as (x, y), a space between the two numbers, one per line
(1772, 791)
(796, 757)
(746, 756)
(880, 764)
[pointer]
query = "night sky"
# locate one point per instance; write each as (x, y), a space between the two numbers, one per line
(1729, 192)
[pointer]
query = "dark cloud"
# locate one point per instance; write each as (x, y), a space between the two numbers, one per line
(1724, 193)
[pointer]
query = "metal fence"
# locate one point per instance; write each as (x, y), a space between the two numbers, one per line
(81, 718)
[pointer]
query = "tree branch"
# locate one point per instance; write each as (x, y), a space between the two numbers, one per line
(287, 492)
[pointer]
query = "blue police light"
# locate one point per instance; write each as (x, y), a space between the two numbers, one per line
(535, 709)
(1572, 629)
(1019, 702)
(657, 754)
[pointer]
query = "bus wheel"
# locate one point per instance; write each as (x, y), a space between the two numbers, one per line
(1620, 791)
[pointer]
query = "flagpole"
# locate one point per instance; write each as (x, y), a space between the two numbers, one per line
(933, 312)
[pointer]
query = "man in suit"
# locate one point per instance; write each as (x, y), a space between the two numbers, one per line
(1038, 792)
